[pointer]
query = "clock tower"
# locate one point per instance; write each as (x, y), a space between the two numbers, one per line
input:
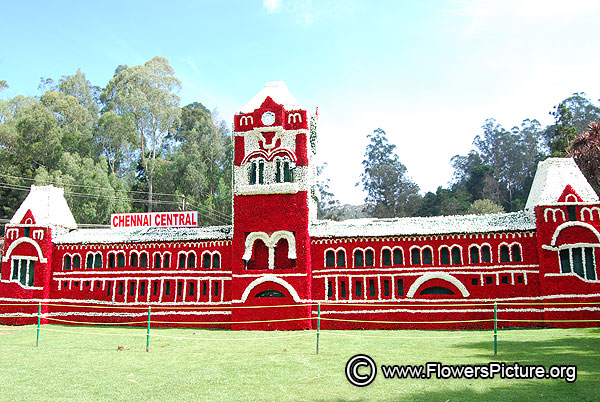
(274, 200)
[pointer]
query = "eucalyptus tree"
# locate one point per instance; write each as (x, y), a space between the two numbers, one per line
(390, 192)
(146, 94)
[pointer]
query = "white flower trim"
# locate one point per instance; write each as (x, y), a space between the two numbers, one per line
(28, 241)
(573, 224)
(270, 278)
(270, 241)
(437, 275)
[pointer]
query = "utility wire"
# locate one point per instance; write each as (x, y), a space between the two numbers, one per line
(219, 218)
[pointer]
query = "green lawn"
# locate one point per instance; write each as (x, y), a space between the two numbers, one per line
(84, 363)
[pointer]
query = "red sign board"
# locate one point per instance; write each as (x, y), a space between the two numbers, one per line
(154, 219)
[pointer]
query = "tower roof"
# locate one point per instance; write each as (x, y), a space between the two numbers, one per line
(552, 177)
(48, 207)
(278, 91)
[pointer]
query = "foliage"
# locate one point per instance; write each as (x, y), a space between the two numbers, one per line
(571, 116)
(103, 158)
(585, 149)
(328, 206)
(89, 189)
(502, 167)
(484, 207)
(390, 192)
(146, 94)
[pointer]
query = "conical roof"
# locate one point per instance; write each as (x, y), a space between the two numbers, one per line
(278, 91)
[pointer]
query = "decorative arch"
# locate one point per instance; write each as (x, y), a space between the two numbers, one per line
(269, 156)
(565, 225)
(270, 278)
(28, 241)
(437, 275)
(270, 241)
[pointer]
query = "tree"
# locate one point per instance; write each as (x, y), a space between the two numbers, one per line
(484, 207)
(503, 165)
(585, 149)
(328, 207)
(146, 94)
(117, 137)
(199, 164)
(75, 121)
(390, 192)
(79, 87)
(571, 116)
(92, 194)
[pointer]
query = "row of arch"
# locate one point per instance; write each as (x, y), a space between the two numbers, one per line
(447, 255)
(141, 259)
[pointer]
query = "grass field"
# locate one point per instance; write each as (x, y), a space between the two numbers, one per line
(100, 363)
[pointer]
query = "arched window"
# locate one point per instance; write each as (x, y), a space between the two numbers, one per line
(278, 167)
(427, 256)
(270, 293)
(157, 262)
(437, 290)
(415, 256)
(67, 262)
(133, 259)
(167, 260)
(474, 254)
(206, 261)
(281, 256)
(98, 260)
(111, 260)
(143, 259)
(330, 259)
(359, 257)
(398, 259)
(76, 261)
(260, 256)
(288, 171)
(369, 258)
(516, 253)
(456, 257)
(191, 261)
(445, 256)
(120, 260)
(261, 171)
(386, 257)
(89, 260)
(486, 254)
(341, 258)
(252, 169)
(182, 259)
(504, 254)
(216, 261)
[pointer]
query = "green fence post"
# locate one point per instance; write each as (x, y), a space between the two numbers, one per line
(37, 340)
(318, 324)
(148, 330)
(495, 329)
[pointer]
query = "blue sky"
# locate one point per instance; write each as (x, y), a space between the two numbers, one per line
(427, 72)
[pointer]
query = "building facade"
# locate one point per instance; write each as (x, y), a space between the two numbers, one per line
(277, 266)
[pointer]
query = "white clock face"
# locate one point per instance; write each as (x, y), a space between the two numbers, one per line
(268, 118)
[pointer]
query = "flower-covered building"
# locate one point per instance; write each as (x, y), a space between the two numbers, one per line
(276, 262)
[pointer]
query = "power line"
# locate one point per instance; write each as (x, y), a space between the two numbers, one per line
(217, 213)
(84, 186)
(219, 219)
